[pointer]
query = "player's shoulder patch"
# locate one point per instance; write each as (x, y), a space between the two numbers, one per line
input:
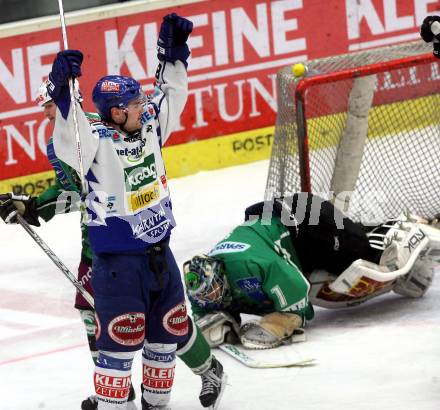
(104, 131)
(92, 117)
(229, 247)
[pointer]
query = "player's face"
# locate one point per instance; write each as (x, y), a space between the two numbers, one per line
(49, 111)
(134, 112)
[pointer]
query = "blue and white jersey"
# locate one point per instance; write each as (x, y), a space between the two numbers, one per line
(128, 203)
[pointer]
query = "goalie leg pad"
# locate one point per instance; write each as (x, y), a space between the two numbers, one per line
(417, 281)
(218, 327)
(271, 331)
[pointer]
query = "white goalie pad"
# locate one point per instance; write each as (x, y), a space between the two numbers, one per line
(407, 267)
(217, 326)
(400, 228)
(322, 295)
(408, 242)
(433, 250)
(417, 281)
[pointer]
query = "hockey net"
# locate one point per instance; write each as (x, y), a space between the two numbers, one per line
(364, 130)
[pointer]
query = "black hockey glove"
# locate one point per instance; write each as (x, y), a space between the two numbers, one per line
(67, 64)
(430, 31)
(425, 29)
(11, 204)
(174, 32)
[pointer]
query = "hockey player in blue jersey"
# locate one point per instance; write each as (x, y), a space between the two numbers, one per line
(139, 297)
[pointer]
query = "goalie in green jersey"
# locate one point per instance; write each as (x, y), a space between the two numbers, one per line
(278, 263)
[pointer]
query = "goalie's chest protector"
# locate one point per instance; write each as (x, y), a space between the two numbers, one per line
(130, 206)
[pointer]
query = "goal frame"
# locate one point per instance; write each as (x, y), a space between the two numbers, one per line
(305, 83)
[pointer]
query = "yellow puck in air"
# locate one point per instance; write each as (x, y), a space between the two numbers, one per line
(298, 69)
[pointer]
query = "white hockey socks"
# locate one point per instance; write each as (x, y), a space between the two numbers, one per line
(158, 363)
(112, 379)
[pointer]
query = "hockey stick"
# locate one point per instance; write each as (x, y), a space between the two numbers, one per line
(63, 268)
(238, 354)
(73, 104)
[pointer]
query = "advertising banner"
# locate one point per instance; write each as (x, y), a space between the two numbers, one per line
(237, 48)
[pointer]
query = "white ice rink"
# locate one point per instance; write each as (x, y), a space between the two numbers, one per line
(381, 355)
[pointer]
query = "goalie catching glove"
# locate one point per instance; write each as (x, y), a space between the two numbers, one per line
(24, 205)
(272, 331)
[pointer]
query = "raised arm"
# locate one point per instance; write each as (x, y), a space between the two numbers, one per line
(67, 64)
(171, 89)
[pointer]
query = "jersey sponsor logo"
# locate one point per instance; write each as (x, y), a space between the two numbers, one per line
(133, 138)
(253, 288)
(106, 133)
(133, 154)
(114, 363)
(115, 387)
(111, 201)
(147, 116)
(229, 247)
(144, 197)
(128, 329)
(158, 378)
(140, 175)
(163, 179)
(158, 357)
(176, 320)
(110, 87)
(84, 274)
(154, 227)
(136, 158)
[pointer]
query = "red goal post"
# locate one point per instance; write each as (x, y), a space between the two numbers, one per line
(363, 131)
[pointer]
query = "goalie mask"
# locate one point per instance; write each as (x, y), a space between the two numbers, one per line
(205, 281)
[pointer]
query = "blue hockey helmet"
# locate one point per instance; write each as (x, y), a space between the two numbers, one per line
(114, 91)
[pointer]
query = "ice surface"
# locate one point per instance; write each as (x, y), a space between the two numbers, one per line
(381, 355)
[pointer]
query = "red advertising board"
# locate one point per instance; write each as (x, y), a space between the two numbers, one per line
(237, 48)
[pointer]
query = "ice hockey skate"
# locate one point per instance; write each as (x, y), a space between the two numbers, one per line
(213, 385)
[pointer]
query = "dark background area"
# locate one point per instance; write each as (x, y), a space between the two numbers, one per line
(16, 10)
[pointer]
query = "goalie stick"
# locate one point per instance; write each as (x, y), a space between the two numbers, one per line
(63, 268)
(238, 354)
